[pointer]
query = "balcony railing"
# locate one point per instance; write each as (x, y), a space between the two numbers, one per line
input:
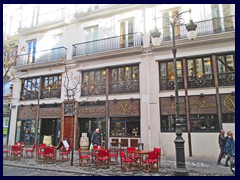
(50, 93)
(211, 26)
(89, 90)
(131, 86)
(42, 56)
(108, 44)
(29, 95)
(205, 80)
(226, 79)
(168, 84)
(46, 18)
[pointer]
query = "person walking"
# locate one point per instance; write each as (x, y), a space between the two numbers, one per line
(96, 138)
(229, 146)
(221, 142)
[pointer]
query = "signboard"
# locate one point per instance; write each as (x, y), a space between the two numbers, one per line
(228, 103)
(168, 106)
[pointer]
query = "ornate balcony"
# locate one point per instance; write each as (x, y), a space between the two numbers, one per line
(226, 79)
(99, 89)
(45, 93)
(203, 81)
(42, 56)
(29, 95)
(124, 87)
(108, 44)
(168, 84)
(211, 26)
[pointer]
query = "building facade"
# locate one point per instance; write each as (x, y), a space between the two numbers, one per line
(125, 85)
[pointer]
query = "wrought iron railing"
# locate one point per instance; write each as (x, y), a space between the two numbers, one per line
(108, 44)
(211, 26)
(168, 84)
(42, 56)
(29, 95)
(226, 79)
(50, 93)
(46, 18)
(131, 86)
(205, 80)
(88, 90)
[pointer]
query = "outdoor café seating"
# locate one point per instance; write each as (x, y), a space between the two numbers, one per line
(49, 154)
(29, 151)
(150, 162)
(6, 151)
(65, 153)
(16, 152)
(102, 158)
(40, 152)
(84, 159)
(158, 151)
(126, 162)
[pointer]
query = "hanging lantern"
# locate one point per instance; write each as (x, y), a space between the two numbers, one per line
(155, 37)
(191, 28)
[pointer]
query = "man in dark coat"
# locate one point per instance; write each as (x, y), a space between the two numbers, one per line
(221, 142)
(96, 138)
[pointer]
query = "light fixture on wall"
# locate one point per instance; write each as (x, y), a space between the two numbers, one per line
(171, 96)
(201, 94)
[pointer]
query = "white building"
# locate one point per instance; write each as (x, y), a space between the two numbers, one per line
(126, 83)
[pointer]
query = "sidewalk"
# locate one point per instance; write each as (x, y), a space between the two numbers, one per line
(196, 166)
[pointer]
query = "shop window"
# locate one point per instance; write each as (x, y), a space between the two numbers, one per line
(226, 69)
(94, 82)
(204, 123)
(228, 118)
(129, 127)
(30, 88)
(200, 73)
(124, 79)
(168, 123)
(167, 75)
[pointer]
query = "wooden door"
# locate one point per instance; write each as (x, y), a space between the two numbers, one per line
(68, 129)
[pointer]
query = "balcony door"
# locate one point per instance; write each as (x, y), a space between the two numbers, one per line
(31, 51)
(91, 34)
(126, 33)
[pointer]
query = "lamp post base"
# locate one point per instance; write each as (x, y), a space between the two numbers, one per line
(180, 172)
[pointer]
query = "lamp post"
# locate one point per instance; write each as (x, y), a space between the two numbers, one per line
(156, 41)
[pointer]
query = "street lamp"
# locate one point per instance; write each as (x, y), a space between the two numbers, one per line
(156, 41)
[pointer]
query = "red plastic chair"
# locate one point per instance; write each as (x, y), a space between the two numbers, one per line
(102, 158)
(29, 151)
(150, 162)
(125, 162)
(83, 158)
(16, 152)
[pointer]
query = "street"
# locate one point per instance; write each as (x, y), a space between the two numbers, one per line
(16, 171)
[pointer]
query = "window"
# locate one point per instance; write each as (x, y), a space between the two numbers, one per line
(200, 73)
(30, 88)
(166, 26)
(126, 33)
(167, 75)
(91, 34)
(31, 50)
(127, 126)
(168, 123)
(226, 69)
(124, 79)
(52, 82)
(94, 82)
(204, 123)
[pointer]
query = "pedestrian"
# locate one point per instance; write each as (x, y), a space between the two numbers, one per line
(221, 142)
(96, 138)
(229, 146)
